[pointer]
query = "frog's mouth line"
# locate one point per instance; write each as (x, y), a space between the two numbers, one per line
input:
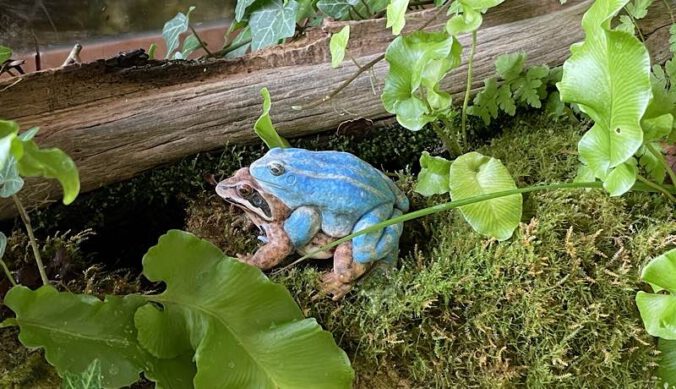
(259, 206)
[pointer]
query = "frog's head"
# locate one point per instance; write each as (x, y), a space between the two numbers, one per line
(243, 191)
(288, 174)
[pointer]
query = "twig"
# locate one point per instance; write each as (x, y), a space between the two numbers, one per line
(34, 243)
(361, 70)
(202, 44)
(74, 56)
(231, 48)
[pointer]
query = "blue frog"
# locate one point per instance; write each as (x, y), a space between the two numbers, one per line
(304, 199)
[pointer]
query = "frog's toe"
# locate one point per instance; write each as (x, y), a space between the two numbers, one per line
(331, 285)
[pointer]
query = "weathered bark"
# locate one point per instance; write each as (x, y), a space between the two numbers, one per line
(116, 123)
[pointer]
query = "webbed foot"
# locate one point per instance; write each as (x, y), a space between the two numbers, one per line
(333, 286)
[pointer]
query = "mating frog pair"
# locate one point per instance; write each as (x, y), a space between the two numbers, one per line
(302, 200)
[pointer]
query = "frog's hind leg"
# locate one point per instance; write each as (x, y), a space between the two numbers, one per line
(380, 244)
(345, 272)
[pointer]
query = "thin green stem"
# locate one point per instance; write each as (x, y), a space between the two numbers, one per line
(449, 143)
(657, 187)
(7, 272)
(658, 154)
(34, 243)
(468, 89)
(446, 207)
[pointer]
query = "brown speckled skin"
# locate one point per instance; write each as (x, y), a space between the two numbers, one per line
(239, 190)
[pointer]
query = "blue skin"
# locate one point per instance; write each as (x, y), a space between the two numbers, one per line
(334, 192)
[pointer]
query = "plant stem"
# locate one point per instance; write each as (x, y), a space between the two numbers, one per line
(658, 154)
(657, 187)
(204, 45)
(467, 90)
(7, 272)
(34, 243)
(445, 207)
(451, 144)
(361, 70)
(366, 5)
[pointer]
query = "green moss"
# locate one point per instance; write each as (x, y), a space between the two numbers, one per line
(553, 306)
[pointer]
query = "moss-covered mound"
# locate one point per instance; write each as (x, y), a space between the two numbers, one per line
(553, 306)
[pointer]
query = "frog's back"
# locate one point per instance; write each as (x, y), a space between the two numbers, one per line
(333, 180)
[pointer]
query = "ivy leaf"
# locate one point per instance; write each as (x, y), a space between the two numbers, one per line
(418, 60)
(396, 15)
(173, 29)
(240, 8)
(9, 147)
(473, 174)
(337, 46)
(264, 127)
(51, 163)
(621, 178)
(618, 66)
(10, 181)
(5, 53)
(77, 329)
(246, 330)
(190, 44)
(243, 36)
(91, 378)
(433, 176)
(658, 311)
(337, 9)
(272, 21)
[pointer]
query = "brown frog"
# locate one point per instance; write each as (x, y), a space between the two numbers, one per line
(303, 200)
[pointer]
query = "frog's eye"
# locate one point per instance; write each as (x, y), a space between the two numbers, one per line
(276, 168)
(244, 190)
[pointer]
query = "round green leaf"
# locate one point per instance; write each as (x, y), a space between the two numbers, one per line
(621, 178)
(667, 368)
(661, 272)
(433, 177)
(473, 174)
(658, 312)
(246, 331)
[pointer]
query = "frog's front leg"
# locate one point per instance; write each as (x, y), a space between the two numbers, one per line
(302, 225)
(273, 252)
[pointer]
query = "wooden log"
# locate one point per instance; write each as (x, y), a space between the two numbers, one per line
(116, 123)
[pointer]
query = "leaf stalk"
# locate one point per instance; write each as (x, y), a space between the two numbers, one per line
(31, 236)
